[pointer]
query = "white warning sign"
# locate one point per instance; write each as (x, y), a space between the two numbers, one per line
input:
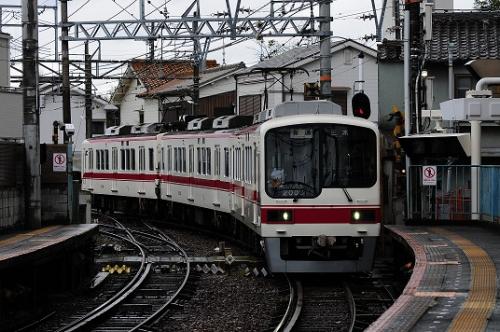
(59, 162)
(429, 175)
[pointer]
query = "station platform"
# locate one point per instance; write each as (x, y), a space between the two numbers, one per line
(453, 286)
(41, 244)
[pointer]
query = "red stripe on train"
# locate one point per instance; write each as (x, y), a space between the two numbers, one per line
(317, 215)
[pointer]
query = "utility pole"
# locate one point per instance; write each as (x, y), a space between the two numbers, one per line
(31, 123)
(66, 96)
(88, 92)
(325, 70)
(196, 65)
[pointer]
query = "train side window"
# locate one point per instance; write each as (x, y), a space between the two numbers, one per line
(209, 161)
(184, 162)
(175, 160)
(226, 162)
(106, 153)
(133, 159)
(169, 158)
(114, 159)
(122, 153)
(127, 159)
(191, 159)
(203, 161)
(141, 158)
(198, 153)
(162, 167)
(97, 159)
(151, 159)
(217, 161)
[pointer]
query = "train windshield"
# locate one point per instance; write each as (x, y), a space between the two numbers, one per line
(302, 160)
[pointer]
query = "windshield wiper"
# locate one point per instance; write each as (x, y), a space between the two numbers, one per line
(349, 198)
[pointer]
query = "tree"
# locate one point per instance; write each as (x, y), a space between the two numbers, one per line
(487, 4)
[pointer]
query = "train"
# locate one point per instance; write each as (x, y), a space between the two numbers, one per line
(302, 178)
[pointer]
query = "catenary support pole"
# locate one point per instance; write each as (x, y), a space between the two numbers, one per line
(407, 106)
(66, 96)
(325, 70)
(31, 118)
(88, 93)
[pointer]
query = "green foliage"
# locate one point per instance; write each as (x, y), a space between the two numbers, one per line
(487, 4)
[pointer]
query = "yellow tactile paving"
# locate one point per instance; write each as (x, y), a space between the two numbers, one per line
(25, 235)
(475, 312)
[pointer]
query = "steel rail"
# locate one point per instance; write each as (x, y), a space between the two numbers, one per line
(296, 304)
(158, 314)
(140, 276)
(352, 306)
(291, 304)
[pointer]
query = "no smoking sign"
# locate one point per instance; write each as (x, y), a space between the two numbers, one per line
(59, 162)
(429, 175)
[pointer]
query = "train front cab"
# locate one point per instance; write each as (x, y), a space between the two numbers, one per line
(320, 203)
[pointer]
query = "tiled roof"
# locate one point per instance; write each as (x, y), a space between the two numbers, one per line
(155, 74)
(476, 35)
(290, 57)
(184, 81)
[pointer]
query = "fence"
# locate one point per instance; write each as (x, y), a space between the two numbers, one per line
(444, 192)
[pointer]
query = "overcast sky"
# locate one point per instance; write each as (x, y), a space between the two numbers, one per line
(345, 13)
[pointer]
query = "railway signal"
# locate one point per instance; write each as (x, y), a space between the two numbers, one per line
(361, 105)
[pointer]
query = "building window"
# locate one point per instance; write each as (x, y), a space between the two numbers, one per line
(250, 105)
(97, 128)
(347, 56)
(141, 117)
(339, 97)
(463, 83)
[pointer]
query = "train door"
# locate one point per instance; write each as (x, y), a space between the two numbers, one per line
(232, 176)
(90, 164)
(142, 168)
(216, 168)
(114, 168)
(169, 172)
(191, 172)
(256, 182)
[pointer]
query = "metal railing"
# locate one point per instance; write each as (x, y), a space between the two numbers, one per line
(445, 193)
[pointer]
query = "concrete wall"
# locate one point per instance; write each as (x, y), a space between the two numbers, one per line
(4, 59)
(11, 113)
(11, 207)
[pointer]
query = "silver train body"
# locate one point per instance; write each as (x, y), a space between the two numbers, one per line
(305, 181)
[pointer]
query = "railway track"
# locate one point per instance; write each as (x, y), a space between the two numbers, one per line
(133, 301)
(334, 304)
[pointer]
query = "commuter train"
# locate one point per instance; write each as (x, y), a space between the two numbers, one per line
(302, 177)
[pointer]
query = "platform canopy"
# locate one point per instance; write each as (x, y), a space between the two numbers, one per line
(438, 145)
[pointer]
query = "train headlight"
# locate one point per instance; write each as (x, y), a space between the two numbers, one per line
(286, 216)
(356, 215)
(363, 216)
(279, 216)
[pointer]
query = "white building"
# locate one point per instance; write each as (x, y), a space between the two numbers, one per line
(51, 110)
(136, 93)
(345, 72)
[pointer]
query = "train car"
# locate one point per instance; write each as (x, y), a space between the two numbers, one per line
(303, 178)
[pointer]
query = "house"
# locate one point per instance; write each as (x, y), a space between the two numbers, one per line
(284, 77)
(217, 93)
(135, 94)
(472, 35)
(51, 110)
